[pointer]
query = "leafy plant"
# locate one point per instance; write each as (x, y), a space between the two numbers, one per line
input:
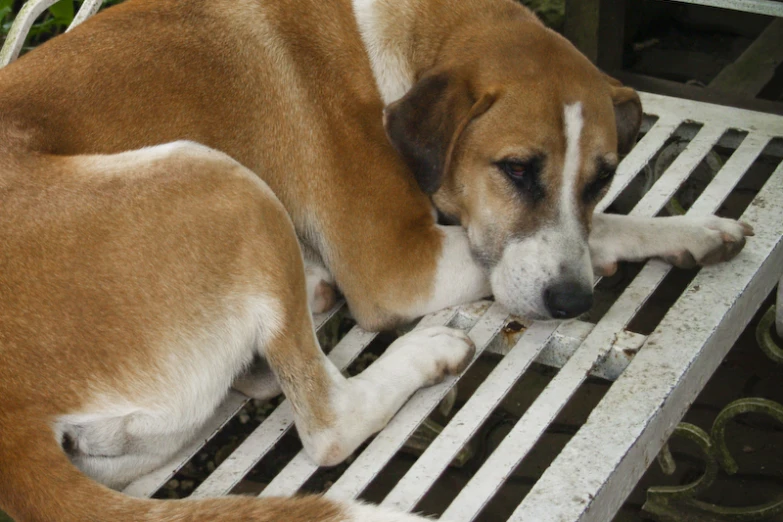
(55, 21)
(59, 18)
(6, 17)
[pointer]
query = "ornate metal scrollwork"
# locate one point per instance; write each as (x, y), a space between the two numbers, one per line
(764, 336)
(679, 503)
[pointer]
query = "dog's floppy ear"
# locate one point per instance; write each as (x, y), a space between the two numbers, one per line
(627, 114)
(425, 124)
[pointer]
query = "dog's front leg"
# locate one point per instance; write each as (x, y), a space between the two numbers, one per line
(683, 241)
(422, 269)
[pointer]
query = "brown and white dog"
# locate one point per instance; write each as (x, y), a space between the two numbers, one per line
(142, 274)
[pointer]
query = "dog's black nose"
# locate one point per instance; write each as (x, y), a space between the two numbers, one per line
(567, 300)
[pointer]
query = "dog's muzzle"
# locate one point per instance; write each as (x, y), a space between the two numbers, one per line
(567, 300)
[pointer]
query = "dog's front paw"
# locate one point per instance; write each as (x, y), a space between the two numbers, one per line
(437, 351)
(710, 240)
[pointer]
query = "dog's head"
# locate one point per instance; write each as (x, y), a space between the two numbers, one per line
(517, 140)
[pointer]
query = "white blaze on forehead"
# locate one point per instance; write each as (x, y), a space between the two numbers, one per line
(572, 116)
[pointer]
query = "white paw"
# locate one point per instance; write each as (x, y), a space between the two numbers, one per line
(709, 240)
(321, 293)
(436, 351)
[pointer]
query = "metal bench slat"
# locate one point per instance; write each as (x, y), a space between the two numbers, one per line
(682, 167)
(601, 464)
(638, 157)
(526, 432)
(26, 18)
(414, 485)
(710, 114)
(730, 174)
(88, 8)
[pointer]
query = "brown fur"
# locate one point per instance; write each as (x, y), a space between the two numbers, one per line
(321, 102)
(76, 232)
(105, 261)
(78, 498)
(552, 72)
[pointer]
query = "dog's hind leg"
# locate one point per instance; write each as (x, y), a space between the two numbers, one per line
(683, 241)
(334, 414)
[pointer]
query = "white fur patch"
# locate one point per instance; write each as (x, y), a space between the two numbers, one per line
(574, 123)
(124, 433)
(137, 162)
(459, 278)
(569, 214)
(167, 149)
(391, 68)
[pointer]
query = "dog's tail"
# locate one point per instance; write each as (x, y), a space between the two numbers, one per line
(38, 483)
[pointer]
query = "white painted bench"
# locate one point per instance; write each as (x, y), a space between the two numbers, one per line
(656, 377)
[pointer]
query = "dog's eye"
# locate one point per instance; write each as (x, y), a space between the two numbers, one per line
(524, 174)
(596, 187)
(606, 172)
(515, 169)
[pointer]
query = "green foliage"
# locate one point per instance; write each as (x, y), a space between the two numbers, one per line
(6, 6)
(551, 12)
(6, 16)
(55, 21)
